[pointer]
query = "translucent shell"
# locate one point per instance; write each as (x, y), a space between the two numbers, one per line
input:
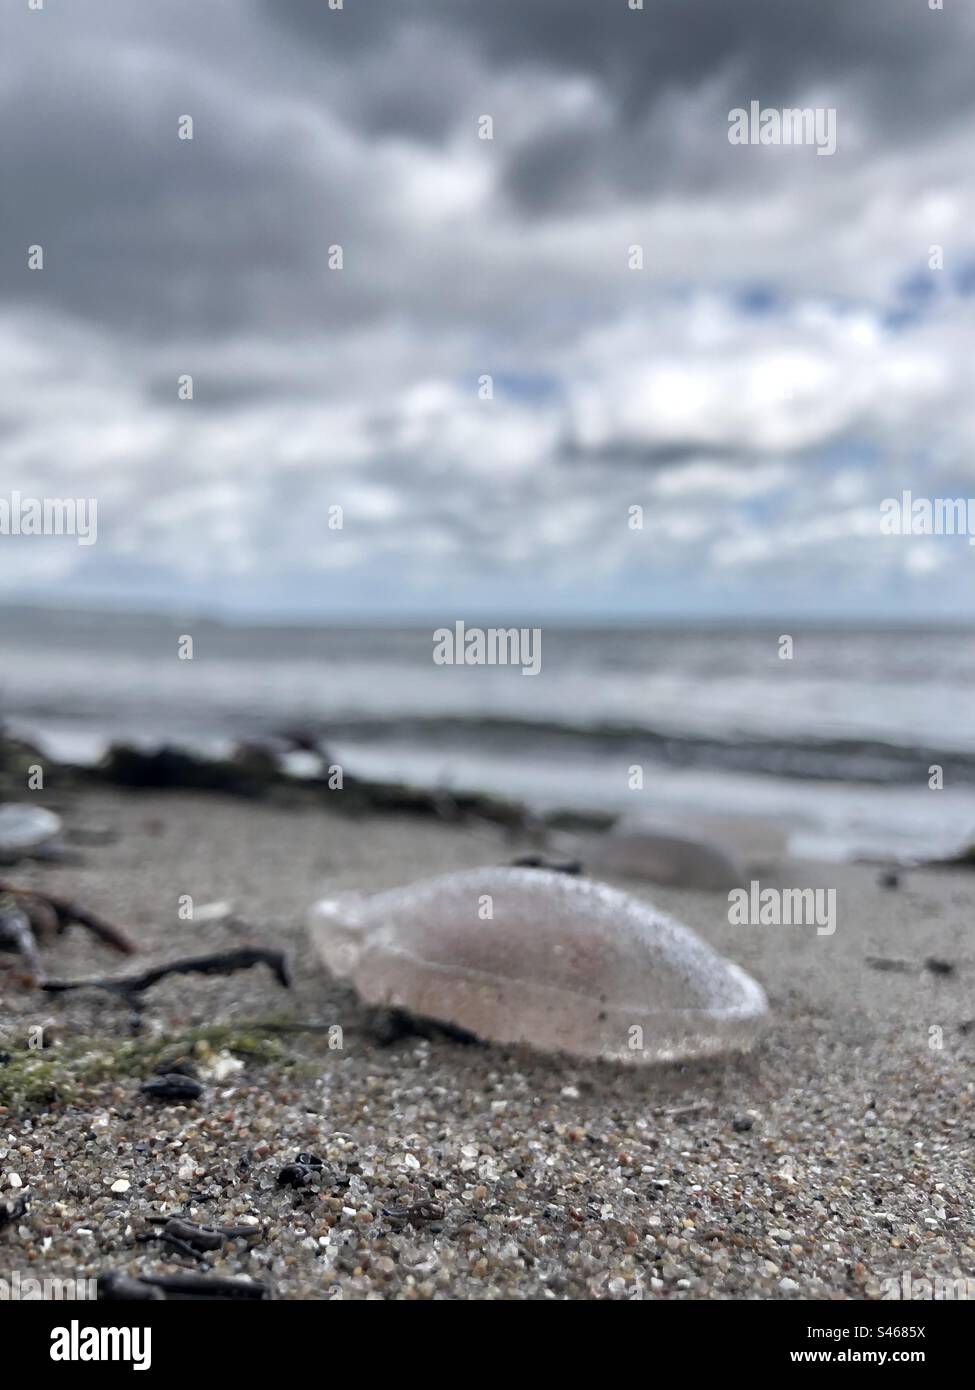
(529, 956)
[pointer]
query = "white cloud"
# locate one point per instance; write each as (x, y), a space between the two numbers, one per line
(755, 434)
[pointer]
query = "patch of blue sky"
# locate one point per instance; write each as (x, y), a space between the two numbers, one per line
(915, 295)
(963, 281)
(759, 300)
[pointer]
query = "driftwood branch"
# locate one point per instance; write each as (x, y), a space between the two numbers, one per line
(119, 1287)
(131, 987)
(66, 913)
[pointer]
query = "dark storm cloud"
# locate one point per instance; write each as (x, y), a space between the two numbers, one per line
(165, 237)
(769, 48)
(879, 60)
(676, 40)
(465, 257)
(149, 231)
(772, 48)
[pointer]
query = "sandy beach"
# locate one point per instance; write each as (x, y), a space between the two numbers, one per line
(487, 644)
(836, 1156)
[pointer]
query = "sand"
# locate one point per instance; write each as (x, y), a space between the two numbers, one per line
(836, 1156)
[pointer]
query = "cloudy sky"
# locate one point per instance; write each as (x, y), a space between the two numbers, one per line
(784, 361)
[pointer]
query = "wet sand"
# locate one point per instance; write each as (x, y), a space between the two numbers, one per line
(835, 1156)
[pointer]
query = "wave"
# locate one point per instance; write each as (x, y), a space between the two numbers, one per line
(835, 759)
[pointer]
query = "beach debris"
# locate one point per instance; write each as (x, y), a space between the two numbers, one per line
(116, 1286)
(294, 1175)
(890, 965)
(398, 1212)
(670, 860)
(536, 861)
(939, 967)
(174, 1086)
(419, 1213)
(193, 1239)
(168, 768)
(741, 1124)
(257, 772)
(12, 1209)
(308, 1160)
(131, 987)
(305, 1170)
(27, 917)
(180, 1068)
(254, 774)
(16, 936)
(559, 963)
(222, 1066)
(889, 879)
(905, 967)
(49, 916)
(426, 1210)
(25, 829)
(389, 1026)
(576, 822)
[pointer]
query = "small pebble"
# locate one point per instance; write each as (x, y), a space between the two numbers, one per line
(939, 967)
(173, 1086)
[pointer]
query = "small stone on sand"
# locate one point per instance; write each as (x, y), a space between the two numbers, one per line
(25, 828)
(670, 860)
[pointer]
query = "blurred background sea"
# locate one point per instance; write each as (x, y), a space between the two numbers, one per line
(835, 745)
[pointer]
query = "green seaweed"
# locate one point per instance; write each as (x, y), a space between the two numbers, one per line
(46, 1076)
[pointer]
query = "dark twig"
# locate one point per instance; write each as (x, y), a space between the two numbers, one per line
(66, 913)
(538, 861)
(892, 966)
(117, 1286)
(130, 987)
(192, 1239)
